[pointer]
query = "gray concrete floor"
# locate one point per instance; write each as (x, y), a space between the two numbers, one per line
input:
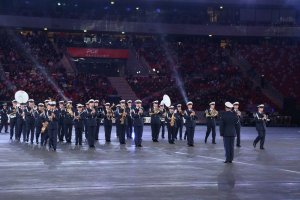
(156, 171)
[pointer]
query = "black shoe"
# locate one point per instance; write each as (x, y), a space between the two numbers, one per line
(230, 161)
(140, 145)
(122, 142)
(238, 145)
(180, 138)
(262, 148)
(190, 145)
(214, 143)
(93, 146)
(254, 144)
(226, 161)
(205, 141)
(108, 141)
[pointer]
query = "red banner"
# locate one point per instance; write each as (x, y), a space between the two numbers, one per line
(98, 53)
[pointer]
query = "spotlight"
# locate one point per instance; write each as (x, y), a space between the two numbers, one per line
(137, 8)
(210, 35)
(112, 2)
(221, 7)
(84, 31)
(45, 29)
(154, 69)
(59, 4)
(123, 32)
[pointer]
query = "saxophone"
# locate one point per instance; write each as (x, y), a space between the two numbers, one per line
(69, 110)
(172, 121)
(123, 116)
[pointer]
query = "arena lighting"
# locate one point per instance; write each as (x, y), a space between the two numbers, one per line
(59, 4)
(123, 32)
(210, 35)
(27, 52)
(45, 29)
(154, 69)
(85, 31)
(137, 8)
(173, 66)
(112, 2)
(221, 7)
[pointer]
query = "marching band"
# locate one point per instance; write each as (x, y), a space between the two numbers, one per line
(55, 124)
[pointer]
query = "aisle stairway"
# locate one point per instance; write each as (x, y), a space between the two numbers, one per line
(123, 88)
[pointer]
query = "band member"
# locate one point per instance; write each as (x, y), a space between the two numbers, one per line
(79, 117)
(211, 115)
(179, 121)
(30, 121)
(228, 121)
(12, 113)
(99, 113)
(155, 114)
(190, 123)
(40, 118)
(171, 119)
(138, 122)
(85, 122)
(61, 119)
(44, 131)
(238, 125)
(129, 120)
(116, 121)
(4, 118)
(21, 122)
(121, 121)
(107, 115)
(162, 119)
(91, 116)
(52, 118)
(260, 120)
(68, 121)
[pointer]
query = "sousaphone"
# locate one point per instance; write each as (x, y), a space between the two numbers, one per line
(166, 101)
(21, 96)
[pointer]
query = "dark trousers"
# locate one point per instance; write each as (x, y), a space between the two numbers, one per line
(122, 133)
(44, 138)
(91, 135)
(211, 128)
(78, 135)
(179, 129)
(4, 123)
(238, 135)
(21, 130)
(97, 130)
(163, 129)
(107, 130)
(129, 129)
(30, 130)
(117, 129)
(52, 138)
(155, 131)
(61, 131)
(229, 148)
(68, 132)
(12, 125)
(138, 134)
(171, 133)
(261, 137)
(38, 130)
(190, 131)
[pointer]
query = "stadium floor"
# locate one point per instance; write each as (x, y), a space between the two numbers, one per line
(156, 171)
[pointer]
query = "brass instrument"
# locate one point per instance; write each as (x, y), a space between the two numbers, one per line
(44, 127)
(123, 117)
(69, 110)
(13, 114)
(155, 112)
(78, 117)
(211, 113)
(172, 121)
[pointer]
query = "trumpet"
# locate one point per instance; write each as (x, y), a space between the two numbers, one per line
(69, 110)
